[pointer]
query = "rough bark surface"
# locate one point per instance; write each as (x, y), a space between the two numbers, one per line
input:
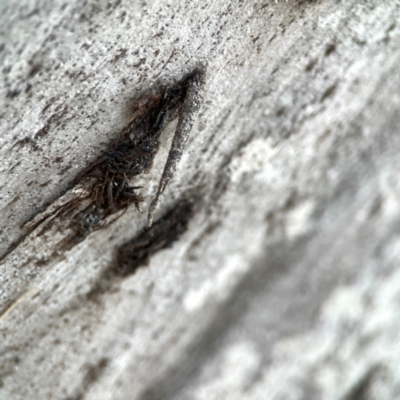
(284, 284)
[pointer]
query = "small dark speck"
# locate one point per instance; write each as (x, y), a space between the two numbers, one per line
(310, 65)
(77, 396)
(2, 47)
(121, 53)
(275, 70)
(362, 389)
(280, 111)
(42, 132)
(64, 170)
(329, 92)
(32, 13)
(94, 371)
(12, 93)
(15, 199)
(391, 27)
(23, 142)
(45, 184)
(34, 70)
(330, 49)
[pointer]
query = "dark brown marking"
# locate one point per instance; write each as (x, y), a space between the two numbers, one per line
(42, 132)
(103, 188)
(161, 235)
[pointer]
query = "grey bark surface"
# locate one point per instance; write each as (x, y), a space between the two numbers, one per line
(286, 283)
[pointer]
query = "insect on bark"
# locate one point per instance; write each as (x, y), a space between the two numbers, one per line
(103, 188)
(187, 113)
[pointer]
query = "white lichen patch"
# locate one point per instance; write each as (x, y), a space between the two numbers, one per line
(255, 158)
(298, 220)
(218, 287)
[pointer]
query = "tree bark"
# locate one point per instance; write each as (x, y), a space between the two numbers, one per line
(272, 262)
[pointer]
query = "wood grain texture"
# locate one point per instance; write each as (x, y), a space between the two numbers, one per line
(285, 283)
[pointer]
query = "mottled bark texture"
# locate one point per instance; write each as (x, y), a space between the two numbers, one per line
(273, 260)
